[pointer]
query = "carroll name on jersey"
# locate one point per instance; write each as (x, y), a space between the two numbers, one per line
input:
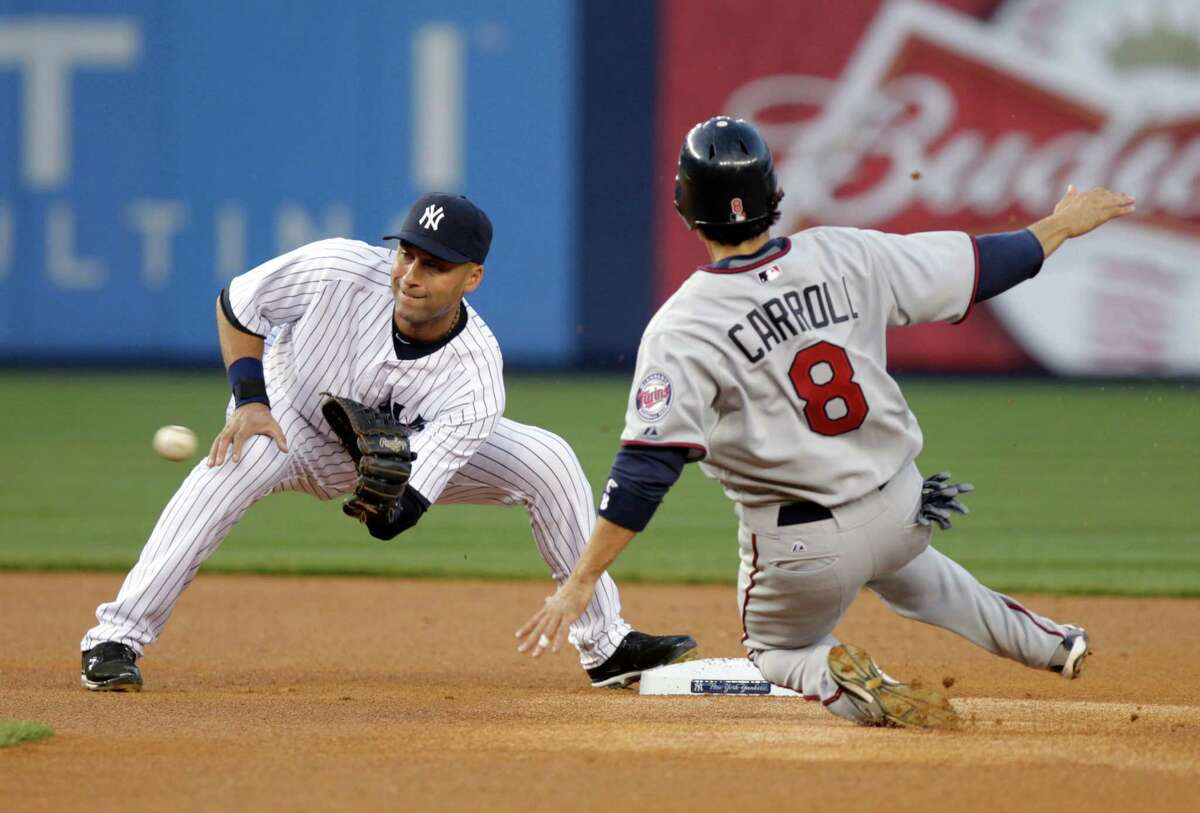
(771, 323)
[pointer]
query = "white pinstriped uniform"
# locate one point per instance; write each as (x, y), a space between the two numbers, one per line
(326, 312)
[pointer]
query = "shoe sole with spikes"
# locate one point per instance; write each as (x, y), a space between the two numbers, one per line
(898, 704)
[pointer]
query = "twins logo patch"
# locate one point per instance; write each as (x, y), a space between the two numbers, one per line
(653, 397)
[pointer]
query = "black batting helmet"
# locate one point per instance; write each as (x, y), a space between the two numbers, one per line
(725, 174)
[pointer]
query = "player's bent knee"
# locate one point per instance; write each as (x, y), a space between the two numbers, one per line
(261, 462)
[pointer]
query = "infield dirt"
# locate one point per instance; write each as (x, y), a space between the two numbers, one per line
(372, 694)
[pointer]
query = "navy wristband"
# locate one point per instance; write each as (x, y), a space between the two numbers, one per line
(247, 382)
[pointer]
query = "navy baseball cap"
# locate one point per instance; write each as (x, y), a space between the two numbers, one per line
(449, 227)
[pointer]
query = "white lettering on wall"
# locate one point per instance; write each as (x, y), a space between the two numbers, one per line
(156, 221)
(230, 241)
(437, 94)
(46, 52)
(294, 228)
(67, 271)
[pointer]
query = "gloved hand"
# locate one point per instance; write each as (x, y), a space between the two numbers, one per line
(379, 446)
(938, 500)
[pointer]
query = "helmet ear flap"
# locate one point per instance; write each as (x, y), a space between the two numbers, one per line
(681, 203)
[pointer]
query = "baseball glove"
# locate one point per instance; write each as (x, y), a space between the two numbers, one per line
(938, 499)
(379, 446)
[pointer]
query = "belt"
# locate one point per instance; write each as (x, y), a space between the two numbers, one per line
(798, 513)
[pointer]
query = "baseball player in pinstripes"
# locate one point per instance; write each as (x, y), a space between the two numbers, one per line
(388, 329)
(769, 366)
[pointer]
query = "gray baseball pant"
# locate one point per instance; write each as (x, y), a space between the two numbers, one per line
(797, 581)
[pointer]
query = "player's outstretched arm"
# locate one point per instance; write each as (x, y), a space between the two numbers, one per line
(1077, 214)
(243, 353)
(548, 627)
(639, 480)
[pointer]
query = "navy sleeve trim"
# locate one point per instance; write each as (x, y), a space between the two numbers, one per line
(227, 309)
(1006, 260)
(975, 286)
(638, 482)
(626, 509)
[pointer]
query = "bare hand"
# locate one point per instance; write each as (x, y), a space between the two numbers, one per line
(1078, 213)
(1081, 212)
(548, 627)
(247, 421)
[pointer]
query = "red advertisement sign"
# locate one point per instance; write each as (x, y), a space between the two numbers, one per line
(917, 116)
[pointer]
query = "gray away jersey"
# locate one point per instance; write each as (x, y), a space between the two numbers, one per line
(774, 371)
(326, 310)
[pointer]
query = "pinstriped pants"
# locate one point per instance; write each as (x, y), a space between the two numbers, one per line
(517, 465)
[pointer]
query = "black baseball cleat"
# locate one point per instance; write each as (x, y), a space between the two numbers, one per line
(637, 653)
(110, 667)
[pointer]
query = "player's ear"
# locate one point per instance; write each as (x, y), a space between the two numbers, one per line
(474, 278)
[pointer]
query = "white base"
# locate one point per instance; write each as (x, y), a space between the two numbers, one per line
(729, 676)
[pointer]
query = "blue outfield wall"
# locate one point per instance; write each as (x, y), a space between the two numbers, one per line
(151, 150)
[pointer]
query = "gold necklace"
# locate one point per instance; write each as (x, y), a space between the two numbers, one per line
(453, 325)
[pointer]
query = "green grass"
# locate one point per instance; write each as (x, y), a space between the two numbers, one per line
(15, 732)
(1082, 488)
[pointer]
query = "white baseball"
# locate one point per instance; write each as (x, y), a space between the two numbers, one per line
(175, 442)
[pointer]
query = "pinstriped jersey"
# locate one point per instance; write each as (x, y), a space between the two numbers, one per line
(772, 369)
(326, 310)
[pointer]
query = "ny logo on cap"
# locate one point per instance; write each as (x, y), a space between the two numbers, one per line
(432, 217)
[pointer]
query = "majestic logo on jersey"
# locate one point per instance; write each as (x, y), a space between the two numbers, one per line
(413, 426)
(432, 217)
(769, 273)
(653, 397)
(739, 211)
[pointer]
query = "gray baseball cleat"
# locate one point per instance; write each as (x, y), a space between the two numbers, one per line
(110, 667)
(1068, 659)
(637, 653)
(884, 700)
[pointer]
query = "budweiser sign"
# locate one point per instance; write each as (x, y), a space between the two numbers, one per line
(942, 122)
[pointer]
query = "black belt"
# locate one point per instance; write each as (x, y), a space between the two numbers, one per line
(798, 513)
